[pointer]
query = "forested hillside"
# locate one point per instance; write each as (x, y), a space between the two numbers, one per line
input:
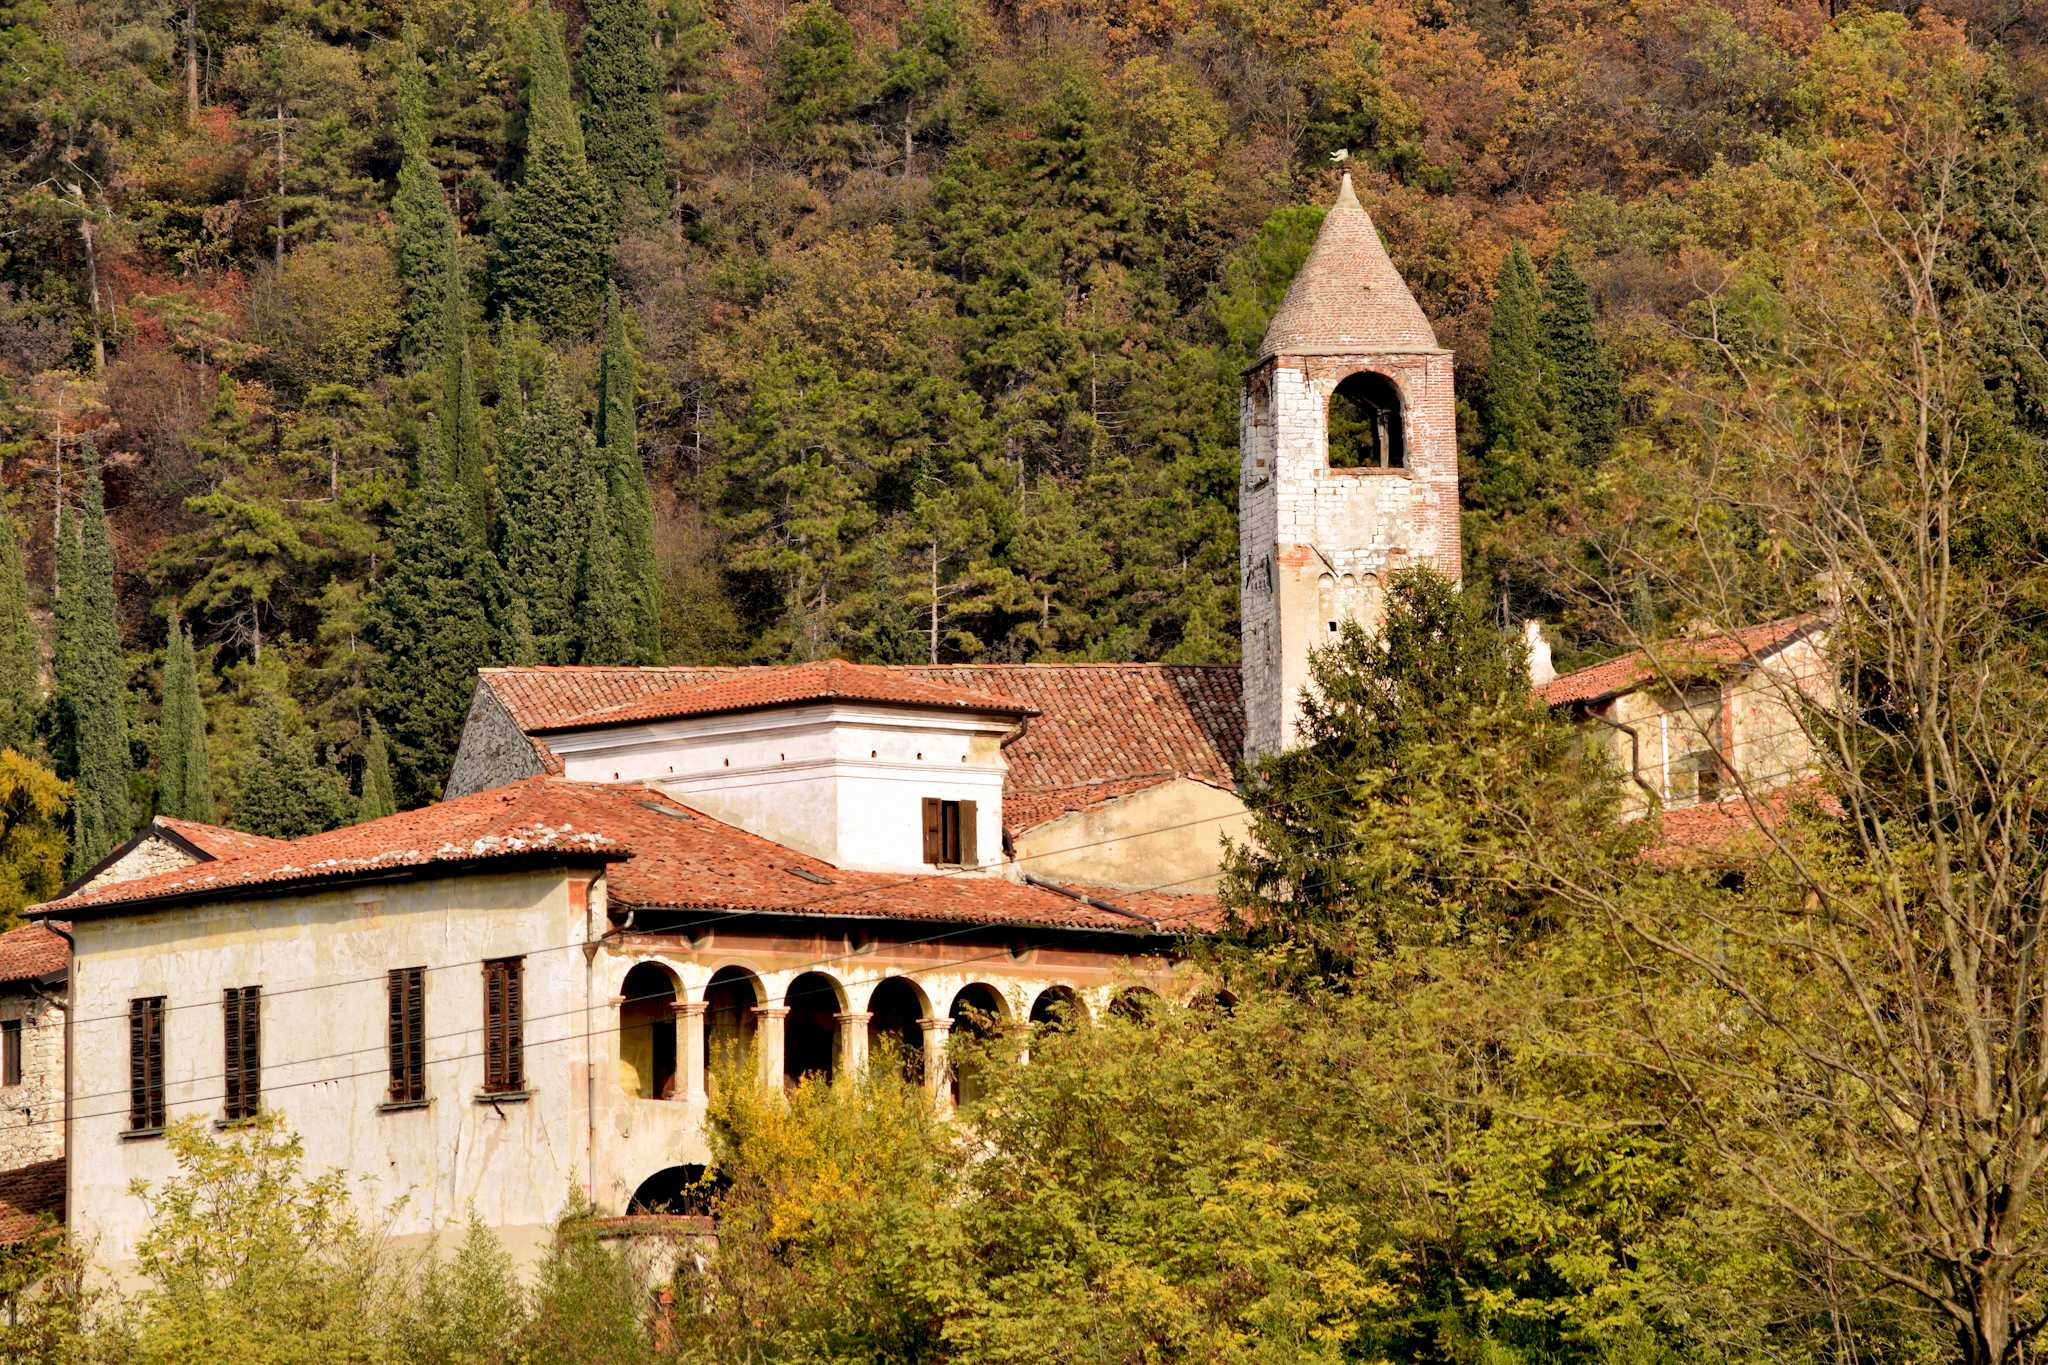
(407, 339)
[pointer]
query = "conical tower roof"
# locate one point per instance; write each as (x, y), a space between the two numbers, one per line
(1347, 298)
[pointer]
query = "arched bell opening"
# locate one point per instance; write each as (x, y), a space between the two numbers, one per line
(811, 1040)
(1365, 424)
(647, 1032)
(977, 1014)
(895, 1006)
(676, 1190)
(729, 1001)
(1057, 1009)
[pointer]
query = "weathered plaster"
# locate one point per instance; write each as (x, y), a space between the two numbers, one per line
(1170, 835)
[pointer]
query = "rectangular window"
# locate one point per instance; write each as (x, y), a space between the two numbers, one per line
(504, 1027)
(241, 1010)
(10, 1052)
(408, 1034)
(1696, 765)
(146, 1063)
(948, 832)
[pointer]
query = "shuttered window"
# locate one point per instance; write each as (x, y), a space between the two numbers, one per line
(146, 1062)
(948, 832)
(504, 1016)
(10, 1052)
(408, 1034)
(241, 1018)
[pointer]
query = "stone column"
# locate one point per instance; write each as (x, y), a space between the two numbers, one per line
(938, 1074)
(690, 1051)
(853, 1041)
(768, 1044)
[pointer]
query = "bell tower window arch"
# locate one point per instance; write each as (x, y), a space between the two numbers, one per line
(1366, 423)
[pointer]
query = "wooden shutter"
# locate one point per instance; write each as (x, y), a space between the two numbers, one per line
(934, 830)
(504, 1040)
(407, 1034)
(965, 852)
(10, 1052)
(241, 1010)
(146, 1062)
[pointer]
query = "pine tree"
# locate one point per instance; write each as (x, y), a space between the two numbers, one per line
(421, 221)
(625, 486)
(91, 676)
(605, 609)
(1586, 379)
(287, 791)
(183, 780)
(622, 82)
(378, 798)
(462, 419)
(18, 657)
(552, 246)
(431, 619)
(546, 473)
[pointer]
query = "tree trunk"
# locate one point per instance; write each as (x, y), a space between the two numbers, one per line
(935, 603)
(191, 61)
(280, 184)
(908, 107)
(92, 279)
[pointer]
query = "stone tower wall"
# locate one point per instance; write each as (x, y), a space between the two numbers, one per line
(1317, 545)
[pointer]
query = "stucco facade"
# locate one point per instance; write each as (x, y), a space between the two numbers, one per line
(1168, 834)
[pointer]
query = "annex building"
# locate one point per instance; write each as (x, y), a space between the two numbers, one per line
(648, 882)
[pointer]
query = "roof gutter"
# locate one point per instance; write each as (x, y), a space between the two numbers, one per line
(1090, 901)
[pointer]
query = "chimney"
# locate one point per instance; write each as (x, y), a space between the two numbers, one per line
(1541, 670)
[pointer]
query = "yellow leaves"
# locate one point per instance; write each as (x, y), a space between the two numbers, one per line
(32, 839)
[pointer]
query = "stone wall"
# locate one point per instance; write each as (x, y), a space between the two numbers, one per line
(153, 854)
(31, 1114)
(493, 751)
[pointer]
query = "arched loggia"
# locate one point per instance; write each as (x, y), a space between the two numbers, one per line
(647, 1032)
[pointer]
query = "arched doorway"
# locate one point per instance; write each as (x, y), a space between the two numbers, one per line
(647, 1032)
(729, 1002)
(676, 1189)
(896, 1005)
(1058, 1009)
(977, 1013)
(811, 1034)
(1134, 1004)
(1365, 424)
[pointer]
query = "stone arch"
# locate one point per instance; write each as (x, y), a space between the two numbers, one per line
(810, 1043)
(1367, 423)
(1134, 1004)
(647, 1031)
(1058, 1008)
(978, 1012)
(730, 997)
(673, 1190)
(895, 1005)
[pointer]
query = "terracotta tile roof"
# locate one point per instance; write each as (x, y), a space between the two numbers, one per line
(665, 855)
(217, 841)
(1096, 723)
(32, 951)
(1732, 826)
(521, 820)
(1030, 809)
(1717, 652)
(1347, 297)
(825, 680)
(31, 1198)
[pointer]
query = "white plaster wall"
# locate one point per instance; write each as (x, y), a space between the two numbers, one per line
(325, 1065)
(842, 783)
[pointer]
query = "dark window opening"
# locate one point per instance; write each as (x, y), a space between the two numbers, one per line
(647, 1032)
(241, 1018)
(146, 1062)
(678, 1190)
(1057, 1009)
(504, 1027)
(949, 832)
(10, 1052)
(894, 1030)
(408, 1034)
(810, 1035)
(977, 1019)
(1365, 429)
(729, 1003)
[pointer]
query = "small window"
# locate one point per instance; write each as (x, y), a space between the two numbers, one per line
(146, 1063)
(10, 1052)
(406, 987)
(504, 1027)
(241, 1018)
(1697, 765)
(949, 833)
(1365, 424)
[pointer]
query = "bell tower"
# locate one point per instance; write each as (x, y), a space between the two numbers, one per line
(1348, 444)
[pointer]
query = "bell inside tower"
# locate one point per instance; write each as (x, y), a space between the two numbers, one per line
(1365, 423)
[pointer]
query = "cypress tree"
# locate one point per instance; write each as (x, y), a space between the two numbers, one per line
(605, 615)
(431, 619)
(622, 82)
(625, 486)
(462, 418)
(183, 779)
(1588, 382)
(288, 792)
(546, 473)
(1518, 407)
(91, 676)
(18, 658)
(552, 245)
(378, 798)
(422, 222)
